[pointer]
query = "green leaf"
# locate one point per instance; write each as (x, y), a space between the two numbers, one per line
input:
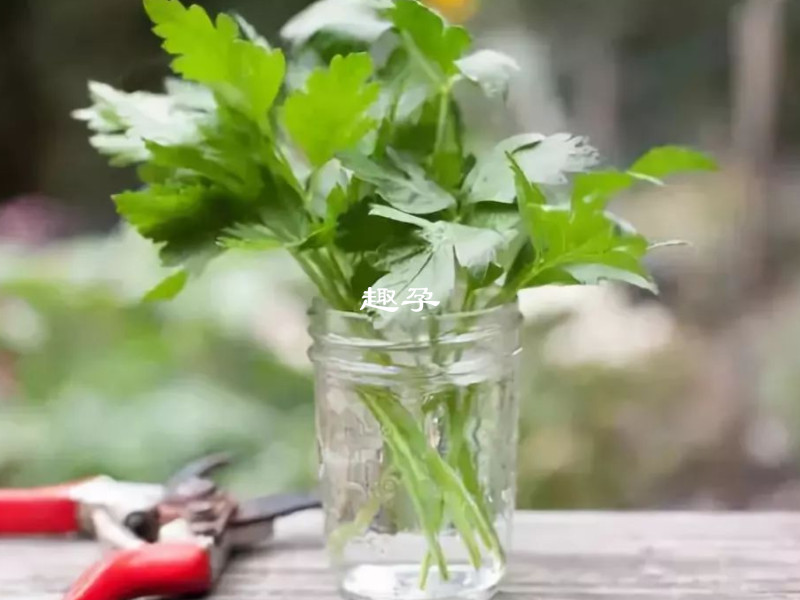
(123, 121)
(243, 152)
(434, 43)
(594, 274)
(194, 160)
(403, 184)
(244, 73)
(359, 231)
(494, 215)
(475, 248)
(543, 159)
(406, 87)
(322, 183)
(672, 160)
(529, 199)
(169, 288)
(575, 244)
(417, 137)
(331, 115)
(201, 45)
(506, 220)
(184, 218)
(489, 69)
(255, 78)
(321, 237)
(337, 203)
(433, 269)
(486, 277)
(232, 155)
(349, 19)
(600, 187)
(251, 237)
(395, 215)
(555, 276)
(364, 276)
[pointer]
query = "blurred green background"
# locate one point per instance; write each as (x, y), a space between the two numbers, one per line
(686, 401)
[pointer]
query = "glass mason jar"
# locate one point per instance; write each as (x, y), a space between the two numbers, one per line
(417, 435)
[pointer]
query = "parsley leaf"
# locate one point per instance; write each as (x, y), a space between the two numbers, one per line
(449, 245)
(397, 215)
(543, 160)
(360, 230)
(489, 69)
(361, 173)
(403, 184)
(363, 176)
(245, 73)
(576, 244)
(185, 218)
(474, 247)
(202, 46)
(671, 160)
(252, 237)
(433, 269)
(436, 45)
(351, 19)
(123, 121)
(332, 114)
(599, 187)
(169, 288)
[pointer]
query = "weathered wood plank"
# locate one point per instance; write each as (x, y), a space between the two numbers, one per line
(557, 556)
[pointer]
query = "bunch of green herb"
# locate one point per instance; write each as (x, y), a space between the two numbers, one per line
(351, 155)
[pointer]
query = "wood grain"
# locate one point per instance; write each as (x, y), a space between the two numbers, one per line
(557, 556)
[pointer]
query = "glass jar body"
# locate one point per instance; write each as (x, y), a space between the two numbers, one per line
(417, 435)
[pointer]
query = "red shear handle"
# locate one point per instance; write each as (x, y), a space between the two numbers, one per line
(43, 511)
(152, 570)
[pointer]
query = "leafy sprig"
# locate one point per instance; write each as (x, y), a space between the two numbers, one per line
(351, 156)
(356, 163)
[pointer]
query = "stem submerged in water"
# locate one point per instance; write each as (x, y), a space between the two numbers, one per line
(434, 486)
(441, 484)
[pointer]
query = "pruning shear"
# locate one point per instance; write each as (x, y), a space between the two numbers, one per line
(169, 540)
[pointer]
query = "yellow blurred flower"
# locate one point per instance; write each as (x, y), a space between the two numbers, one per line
(456, 11)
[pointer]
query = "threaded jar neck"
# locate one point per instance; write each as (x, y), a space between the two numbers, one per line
(449, 345)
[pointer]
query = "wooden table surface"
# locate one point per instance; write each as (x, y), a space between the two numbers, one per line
(564, 556)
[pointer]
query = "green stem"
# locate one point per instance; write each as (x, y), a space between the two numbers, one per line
(414, 476)
(420, 58)
(324, 283)
(427, 563)
(339, 272)
(435, 485)
(339, 538)
(441, 124)
(461, 506)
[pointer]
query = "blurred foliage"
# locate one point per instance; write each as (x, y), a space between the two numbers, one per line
(93, 382)
(602, 427)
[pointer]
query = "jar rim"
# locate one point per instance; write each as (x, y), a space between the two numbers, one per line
(344, 336)
(319, 306)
